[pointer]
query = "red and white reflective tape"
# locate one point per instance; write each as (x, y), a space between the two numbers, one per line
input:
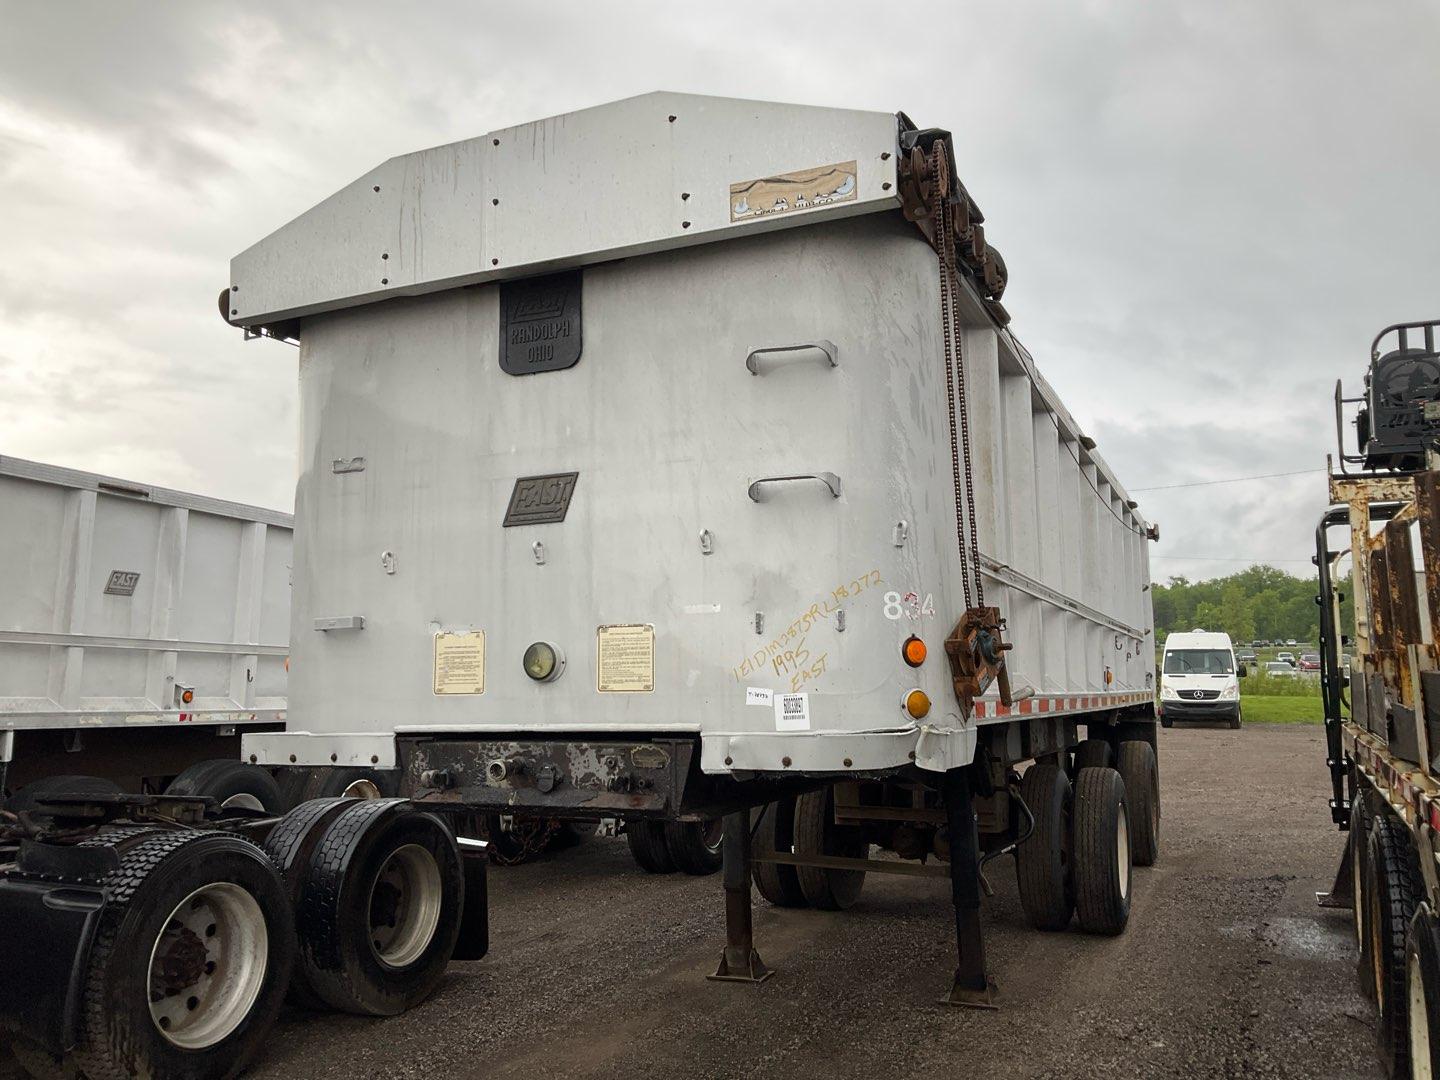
(1059, 703)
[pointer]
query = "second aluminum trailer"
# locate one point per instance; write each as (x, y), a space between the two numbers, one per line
(674, 458)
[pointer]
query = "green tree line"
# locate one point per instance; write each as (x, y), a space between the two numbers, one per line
(1257, 604)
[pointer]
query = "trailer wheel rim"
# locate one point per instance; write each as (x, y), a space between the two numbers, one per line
(712, 835)
(1122, 852)
(1377, 962)
(242, 799)
(1357, 897)
(405, 905)
(1419, 1021)
(207, 965)
(363, 788)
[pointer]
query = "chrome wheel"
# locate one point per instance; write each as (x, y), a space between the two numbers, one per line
(405, 905)
(207, 965)
(1419, 1021)
(1122, 851)
(361, 789)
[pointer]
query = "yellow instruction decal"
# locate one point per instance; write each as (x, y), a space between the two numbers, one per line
(460, 662)
(625, 659)
(787, 192)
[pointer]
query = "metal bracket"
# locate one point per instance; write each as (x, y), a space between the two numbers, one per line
(976, 651)
(829, 479)
(341, 622)
(818, 345)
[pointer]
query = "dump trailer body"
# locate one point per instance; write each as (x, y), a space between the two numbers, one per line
(136, 623)
(715, 477)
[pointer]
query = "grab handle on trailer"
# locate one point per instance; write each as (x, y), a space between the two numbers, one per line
(829, 479)
(752, 359)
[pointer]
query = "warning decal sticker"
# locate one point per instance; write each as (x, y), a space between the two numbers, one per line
(625, 659)
(460, 662)
(790, 191)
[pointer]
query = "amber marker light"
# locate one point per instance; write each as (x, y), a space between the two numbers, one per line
(914, 651)
(917, 704)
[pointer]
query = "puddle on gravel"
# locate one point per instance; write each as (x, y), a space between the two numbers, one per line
(1304, 939)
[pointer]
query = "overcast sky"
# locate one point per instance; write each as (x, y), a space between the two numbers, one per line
(1207, 209)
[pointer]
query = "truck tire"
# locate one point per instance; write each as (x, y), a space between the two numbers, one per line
(1102, 852)
(1393, 889)
(1093, 754)
(380, 908)
(181, 906)
(775, 831)
(1422, 992)
(648, 848)
(1141, 773)
(817, 834)
(352, 782)
(1042, 863)
(290, 845)
(230, 783)
(694, 846)
(1359, 832)
(26, 797)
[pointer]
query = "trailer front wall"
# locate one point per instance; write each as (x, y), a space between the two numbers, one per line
(413, 438)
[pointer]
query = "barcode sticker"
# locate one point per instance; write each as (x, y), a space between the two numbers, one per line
(792, 712)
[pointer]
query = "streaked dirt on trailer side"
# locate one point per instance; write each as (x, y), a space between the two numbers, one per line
(1228, 968)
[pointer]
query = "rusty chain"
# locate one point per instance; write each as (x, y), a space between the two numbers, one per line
(961, 462)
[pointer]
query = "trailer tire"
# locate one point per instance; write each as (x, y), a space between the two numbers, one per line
(694, 846)
(1422, 992)
(817, 834)
(648, 848)
(775, 831)
(1093, 754)
(230, 783)
(1042, 862)
(1141, 773)
(1392, 891)
(1102, 851)
(290, 844)
(26, 797)
(210, 875)
(380, 859)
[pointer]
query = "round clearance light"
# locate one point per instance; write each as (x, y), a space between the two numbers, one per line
(914, 651)
(917, 704)
(544, 662)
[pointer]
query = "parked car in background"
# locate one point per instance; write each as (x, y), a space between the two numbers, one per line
(1291, 641)
(1309, 662)
(1279, 669)
(1287, 657)
(1245, 656)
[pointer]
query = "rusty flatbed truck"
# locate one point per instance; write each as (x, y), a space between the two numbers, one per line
(1386, 752)
(673, 459)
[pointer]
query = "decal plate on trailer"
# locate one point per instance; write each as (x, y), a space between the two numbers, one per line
(122, 582)
(787, 192)
(540, 500)
(460, 662)
(625, 659)
(540, 323)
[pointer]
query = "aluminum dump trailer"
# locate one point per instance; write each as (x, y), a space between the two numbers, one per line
(1382, 716)
(673, 458)
(141, 629)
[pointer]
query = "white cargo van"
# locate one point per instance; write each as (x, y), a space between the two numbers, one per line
(1199, 679)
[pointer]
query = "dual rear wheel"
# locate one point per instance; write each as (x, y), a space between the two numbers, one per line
(662, 847)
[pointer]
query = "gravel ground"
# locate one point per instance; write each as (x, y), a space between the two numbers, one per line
(1228, 969)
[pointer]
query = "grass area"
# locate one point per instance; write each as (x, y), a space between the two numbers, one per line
(1282, 708)
(1261, 684)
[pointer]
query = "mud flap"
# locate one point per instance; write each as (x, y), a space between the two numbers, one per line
(474, 940)
(46, 932)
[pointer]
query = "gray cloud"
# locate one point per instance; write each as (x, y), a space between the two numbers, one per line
(1207, 209)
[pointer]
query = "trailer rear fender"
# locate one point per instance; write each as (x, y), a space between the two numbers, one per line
(46, 932)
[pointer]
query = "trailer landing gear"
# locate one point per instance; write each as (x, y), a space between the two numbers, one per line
(739, 962)
(972, 987)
